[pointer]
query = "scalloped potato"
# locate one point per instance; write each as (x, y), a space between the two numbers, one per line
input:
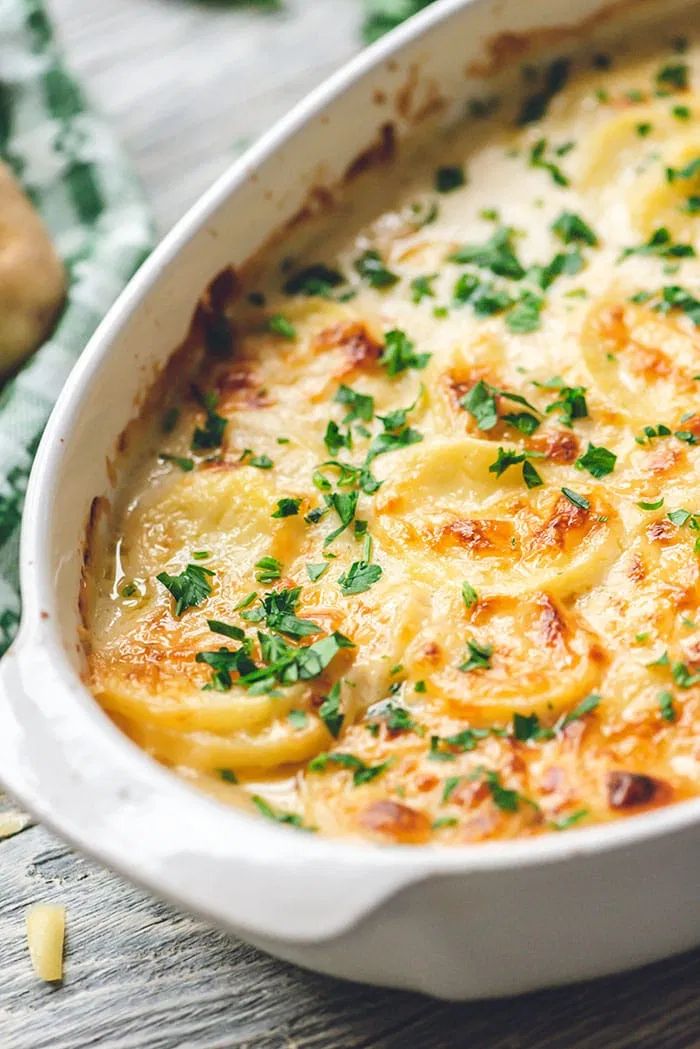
(416, 556)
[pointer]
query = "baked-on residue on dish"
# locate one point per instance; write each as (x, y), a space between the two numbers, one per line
(414, 556)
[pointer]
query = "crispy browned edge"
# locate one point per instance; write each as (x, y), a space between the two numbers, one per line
(502, 50)
(505, 48)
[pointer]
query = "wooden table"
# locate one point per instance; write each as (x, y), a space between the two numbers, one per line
(186, 85)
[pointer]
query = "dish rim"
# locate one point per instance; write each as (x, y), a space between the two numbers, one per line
(36, 569)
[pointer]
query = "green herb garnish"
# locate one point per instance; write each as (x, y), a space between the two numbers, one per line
(372, 269)
(399, 354)
(359, 577)
(479, 657)
(330, 712)
(572, 229)
(579, 501)
(449, 178)
(598, 461)
(280, 325)
(287, 508)
(190, 588)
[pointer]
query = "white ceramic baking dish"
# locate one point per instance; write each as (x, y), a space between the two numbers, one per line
(481, 920)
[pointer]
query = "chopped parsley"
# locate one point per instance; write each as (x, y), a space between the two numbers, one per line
(317, 279)
(570, 402)
(246, 601)
(287, 508)
(672, 77)
(527, 727)
(395, 717)
(277, 815)
(227, 775)
(535, 106)
(497, 254)
(330, 712)
(572, 229)
(530, 476)
(186, 465)
(674, 297)
(598, 461)
(509, 457)
(361, 772)
(422, 288)
(564, 263)
(478, 658)
(564, 822)
(666, 707)
(280, 325)
(268, 569)
(396, 434)
(297, 718)
(480, 402)
(656, 504)
(524, 316)
(359, 405)
(444, 748)
(224, 662)
(371, 268)
(190, 588)
(211, 435)
(399, 353)
(226, 629)
(483, 297)
(683, 677)
(661, 244)
(444, 821)
(282, 663)
(449, 787)
(469, 595)
(538, 159)
(314, 572)
(650, 432)
(277, 610)
(449, 177)
(503, 798)
(586, 706)
(334, 439)
(359, 577)
(345, 505)
(577, 500)
(691, 170)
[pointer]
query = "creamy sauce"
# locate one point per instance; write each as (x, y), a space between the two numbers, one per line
(461, 483)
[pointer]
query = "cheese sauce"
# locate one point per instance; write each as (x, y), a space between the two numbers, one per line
(415, 557)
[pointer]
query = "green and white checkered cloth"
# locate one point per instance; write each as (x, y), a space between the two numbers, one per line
(79, 180)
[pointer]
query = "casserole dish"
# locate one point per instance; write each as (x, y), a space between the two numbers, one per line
(498, 918)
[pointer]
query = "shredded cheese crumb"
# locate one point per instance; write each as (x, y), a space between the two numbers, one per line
(12, 823)
(46, 924)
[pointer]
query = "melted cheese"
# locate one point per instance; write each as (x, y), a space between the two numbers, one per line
(558, 686)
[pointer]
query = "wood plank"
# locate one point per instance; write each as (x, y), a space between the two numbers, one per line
(140, 974)
(188, 84)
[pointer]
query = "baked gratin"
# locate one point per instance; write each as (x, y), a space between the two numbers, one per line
(409, 544)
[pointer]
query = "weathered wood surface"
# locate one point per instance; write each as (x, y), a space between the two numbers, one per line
(186, 84)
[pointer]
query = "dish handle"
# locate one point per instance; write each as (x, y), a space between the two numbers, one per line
(68, 764)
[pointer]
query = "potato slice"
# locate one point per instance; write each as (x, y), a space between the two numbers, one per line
(46, 923)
